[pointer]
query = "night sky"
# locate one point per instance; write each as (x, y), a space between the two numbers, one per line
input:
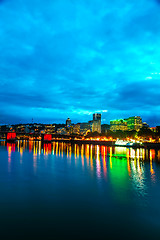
(71, 58)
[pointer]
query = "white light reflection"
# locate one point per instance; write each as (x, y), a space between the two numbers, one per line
(98, 166)
(138, 177)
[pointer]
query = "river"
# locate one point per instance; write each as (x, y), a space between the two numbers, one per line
(71, 191)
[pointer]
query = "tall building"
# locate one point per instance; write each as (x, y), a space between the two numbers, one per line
(96, 117)
(134, 123)
(96, 125)
(68, 122)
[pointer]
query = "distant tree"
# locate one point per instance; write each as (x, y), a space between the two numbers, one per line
(131, 134)
(158, 131)
(146, 133)
(93, 134)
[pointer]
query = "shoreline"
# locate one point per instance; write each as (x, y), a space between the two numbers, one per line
(148, 145)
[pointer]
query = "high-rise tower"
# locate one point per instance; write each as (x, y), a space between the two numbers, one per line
(96, 126)
(68, 122)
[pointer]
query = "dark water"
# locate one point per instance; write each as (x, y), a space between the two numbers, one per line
(64, 191)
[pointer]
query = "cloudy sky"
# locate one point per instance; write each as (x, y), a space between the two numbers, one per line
(71, 58)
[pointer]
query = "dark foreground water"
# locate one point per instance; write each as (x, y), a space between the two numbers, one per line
(64, 191)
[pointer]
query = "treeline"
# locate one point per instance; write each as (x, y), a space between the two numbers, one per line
(144, 133)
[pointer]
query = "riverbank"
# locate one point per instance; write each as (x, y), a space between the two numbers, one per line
(148, 145)
(110, 143)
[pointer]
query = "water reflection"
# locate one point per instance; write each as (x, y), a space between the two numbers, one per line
(10, 149)
(104, 160)
(47, 149)
(138, 176)
(116, 163)
(98, 163)
(152, 156)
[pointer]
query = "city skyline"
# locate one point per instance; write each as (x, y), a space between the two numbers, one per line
(72, 59)
(90, 119)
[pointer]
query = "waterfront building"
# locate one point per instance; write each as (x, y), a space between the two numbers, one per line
(68, 122)
(131, 123)
(27, 130)
(134, 123)
(76, 128)
(50, 128)
(20, 128)
(62, 131)
(85, 128)
(96, 124)
(118, 124)
(69, 130)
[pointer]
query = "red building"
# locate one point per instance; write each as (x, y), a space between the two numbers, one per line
(11, 136)
(47, 137)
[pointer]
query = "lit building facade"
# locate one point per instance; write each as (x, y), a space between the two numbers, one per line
(68, 122)
(61, 131)
(131, 123)
(119, 124)
(134, 123)
(49, 128)
(76, 128)
(85, 128)
(96, 124)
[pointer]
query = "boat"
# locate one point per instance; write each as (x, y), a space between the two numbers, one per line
(120, 143)
(124, 143)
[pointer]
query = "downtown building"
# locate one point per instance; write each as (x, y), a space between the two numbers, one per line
(76, 128)
(134, 123)
(82, 128)
(129, 124)
(118, 124)
(49, 128)
(68, 122)
(96, 123)
(85, 128)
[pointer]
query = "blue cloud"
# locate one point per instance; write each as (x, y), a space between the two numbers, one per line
(71, 58)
